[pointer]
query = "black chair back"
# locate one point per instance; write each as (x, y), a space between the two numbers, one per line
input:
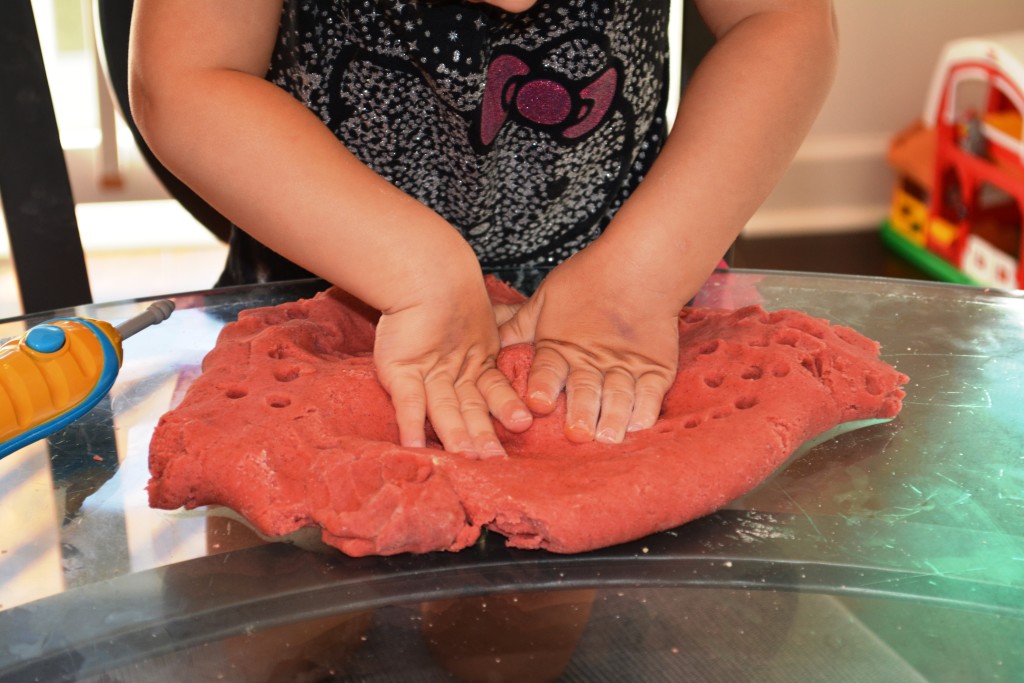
(39, 209)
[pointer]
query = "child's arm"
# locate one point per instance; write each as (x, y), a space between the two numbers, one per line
(270, 165)
(605, 321)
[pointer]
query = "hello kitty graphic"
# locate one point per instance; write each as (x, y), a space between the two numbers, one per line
(525, 131)
(544, 99)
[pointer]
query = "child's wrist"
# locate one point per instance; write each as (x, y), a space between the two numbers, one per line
(443, 271)
(649, 269)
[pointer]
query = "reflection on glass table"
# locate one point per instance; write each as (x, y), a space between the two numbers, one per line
(892, 552)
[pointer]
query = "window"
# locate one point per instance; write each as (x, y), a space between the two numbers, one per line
(138, 241)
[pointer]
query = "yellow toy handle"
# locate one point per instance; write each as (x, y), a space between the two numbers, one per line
(58, 371)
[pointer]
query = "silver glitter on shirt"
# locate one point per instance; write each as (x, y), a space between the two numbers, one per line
(525, 131)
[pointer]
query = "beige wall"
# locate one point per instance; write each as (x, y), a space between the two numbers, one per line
(888, 48)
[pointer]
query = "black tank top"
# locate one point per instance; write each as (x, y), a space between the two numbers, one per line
(525, 131)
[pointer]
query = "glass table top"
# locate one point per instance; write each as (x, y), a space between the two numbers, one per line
(890, 552)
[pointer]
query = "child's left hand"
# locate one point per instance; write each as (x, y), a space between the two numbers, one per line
(610, 340)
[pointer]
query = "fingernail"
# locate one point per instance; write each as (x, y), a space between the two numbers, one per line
(540, 401)
(521, 416)
(639, 425)
(579, 432)
(607, 436)
(493, 449)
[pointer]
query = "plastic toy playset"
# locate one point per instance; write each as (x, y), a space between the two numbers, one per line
(959, 194)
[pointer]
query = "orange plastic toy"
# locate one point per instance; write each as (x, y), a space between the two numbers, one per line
(58, 371)
(959, 196)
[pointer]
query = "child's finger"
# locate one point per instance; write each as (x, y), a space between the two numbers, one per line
(505, 312)
(520, 327)
(617, 399)
(477, 419)
(650, 392)
(445, 412)
(582, 403)
(548, 375)
(503, 401)
(409, 398)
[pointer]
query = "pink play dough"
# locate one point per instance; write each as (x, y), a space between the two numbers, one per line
(289, 427)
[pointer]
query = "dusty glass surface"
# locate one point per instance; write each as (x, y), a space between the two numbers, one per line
(895, 548)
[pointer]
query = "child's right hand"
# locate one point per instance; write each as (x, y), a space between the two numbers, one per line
(436, 356)
(268, 163)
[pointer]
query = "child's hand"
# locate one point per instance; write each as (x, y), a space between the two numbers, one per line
(437, 360)
(612, 345)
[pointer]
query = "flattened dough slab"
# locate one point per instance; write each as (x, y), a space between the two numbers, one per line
(288, 426)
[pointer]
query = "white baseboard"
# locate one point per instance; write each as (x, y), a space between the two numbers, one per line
(815, 220)
(836, 183)
(841, 146)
